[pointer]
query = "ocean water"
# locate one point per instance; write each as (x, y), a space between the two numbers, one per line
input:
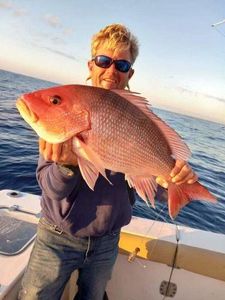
(19, 155)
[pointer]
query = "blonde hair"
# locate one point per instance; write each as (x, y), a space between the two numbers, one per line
(113, 36)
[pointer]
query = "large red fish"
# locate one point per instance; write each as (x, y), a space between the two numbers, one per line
(113, 130)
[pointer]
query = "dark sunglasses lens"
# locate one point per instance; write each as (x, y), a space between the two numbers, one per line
(122, 65)
(103, 61)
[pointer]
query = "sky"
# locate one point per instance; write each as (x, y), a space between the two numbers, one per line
(181, 63)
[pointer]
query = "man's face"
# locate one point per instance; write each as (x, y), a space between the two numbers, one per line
(110, 78)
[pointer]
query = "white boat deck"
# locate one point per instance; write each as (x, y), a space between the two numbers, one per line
(183, 262)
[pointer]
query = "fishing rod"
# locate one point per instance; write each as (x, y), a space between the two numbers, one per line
(215, 25)
(218, 23)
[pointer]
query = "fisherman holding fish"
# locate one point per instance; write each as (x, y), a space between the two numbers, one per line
(82, 213)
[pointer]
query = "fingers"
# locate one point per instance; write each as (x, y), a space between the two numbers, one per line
(182, 172)
(179, 164)
(162, 181)
(193, 179)
(56, 151)
(50, 151)
(186, 175)
(45, 149)
(41, 145)
(67, 155)
(62, 152)
(65, 150)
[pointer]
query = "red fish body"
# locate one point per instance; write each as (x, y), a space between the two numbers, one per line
(113, 130)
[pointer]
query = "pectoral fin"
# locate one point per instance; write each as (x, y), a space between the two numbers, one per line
(88, 171)
(89, 162)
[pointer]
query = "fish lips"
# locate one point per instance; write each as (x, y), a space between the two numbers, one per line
(28, 115)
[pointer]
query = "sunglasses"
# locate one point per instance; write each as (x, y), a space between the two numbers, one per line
(105, 62)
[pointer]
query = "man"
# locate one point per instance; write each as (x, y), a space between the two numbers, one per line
(80, 227)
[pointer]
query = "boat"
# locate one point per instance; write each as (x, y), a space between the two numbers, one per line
(156, 260)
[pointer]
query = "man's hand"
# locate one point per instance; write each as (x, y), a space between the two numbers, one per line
(61, 153)
(181, 173)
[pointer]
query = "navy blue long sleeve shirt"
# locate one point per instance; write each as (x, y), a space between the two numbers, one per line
(69, 203)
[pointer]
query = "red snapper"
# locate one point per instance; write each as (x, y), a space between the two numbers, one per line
(114, 130)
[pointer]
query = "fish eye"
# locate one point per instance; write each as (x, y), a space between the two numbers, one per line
(55, 100)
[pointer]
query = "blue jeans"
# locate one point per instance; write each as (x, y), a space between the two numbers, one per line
(57, 254)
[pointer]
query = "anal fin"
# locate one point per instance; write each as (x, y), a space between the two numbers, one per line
(145, 187)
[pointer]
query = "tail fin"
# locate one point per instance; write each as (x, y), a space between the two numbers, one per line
(180, 195)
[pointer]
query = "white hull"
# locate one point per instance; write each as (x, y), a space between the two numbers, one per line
(183, 262)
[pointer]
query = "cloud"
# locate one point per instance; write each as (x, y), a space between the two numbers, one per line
(197, 94)
(52, 21)
(6, 5)
(55, 22)
(60, 53)
(67, 31)
(17, 12)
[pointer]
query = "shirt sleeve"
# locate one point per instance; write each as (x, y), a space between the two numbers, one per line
(57, 181)
(131, 194)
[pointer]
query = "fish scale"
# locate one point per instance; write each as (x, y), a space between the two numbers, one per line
(135, 133)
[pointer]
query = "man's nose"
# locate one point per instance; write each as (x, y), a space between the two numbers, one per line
(112, 68)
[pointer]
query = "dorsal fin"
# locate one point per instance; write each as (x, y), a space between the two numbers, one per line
(178, 148)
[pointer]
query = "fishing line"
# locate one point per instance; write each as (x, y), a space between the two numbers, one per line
(219, 31)
(157, 217)
(174, 261)
(163, 224)
(133, 255)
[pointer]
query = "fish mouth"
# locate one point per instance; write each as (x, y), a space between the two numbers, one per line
(26, 112)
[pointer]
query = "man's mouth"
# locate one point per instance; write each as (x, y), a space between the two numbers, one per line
(109, 80)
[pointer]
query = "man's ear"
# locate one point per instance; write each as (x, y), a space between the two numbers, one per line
(131, 72)
(90, 65)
